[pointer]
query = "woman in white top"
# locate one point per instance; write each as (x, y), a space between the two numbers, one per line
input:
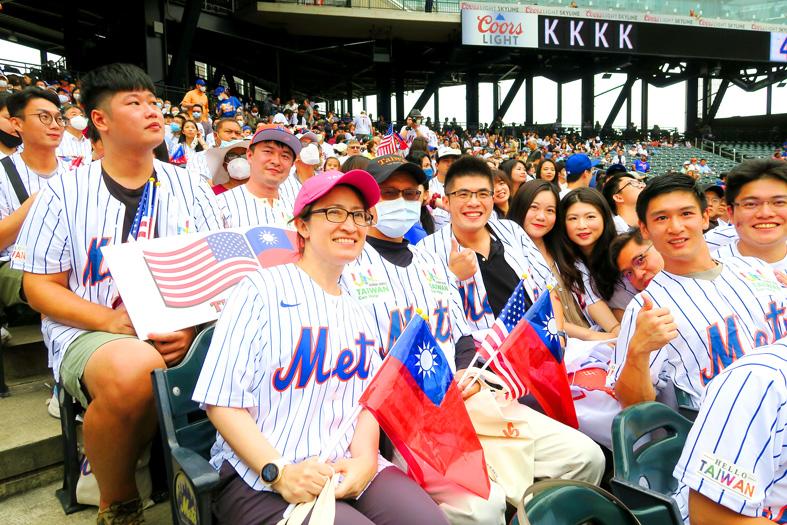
(289, 360)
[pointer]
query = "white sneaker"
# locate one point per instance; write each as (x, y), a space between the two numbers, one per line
(5, 335)
(53, 406)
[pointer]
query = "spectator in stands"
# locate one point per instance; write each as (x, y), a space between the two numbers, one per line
(578, 172)
(9, 138)
(227, 130)
(363, 126)
(227, 104)
(642, 165)
(517, 172)
(191, 140)
(4, 86)
(228, 166)
(621, 192)
(93, 347)
(636, 259)
(198, 114)
(446, 156)
(703, 168)
(619, 157)
(714, 195)
(75, 148)
(547, 170)
(502, 194)
(756, 196)
(585, 230)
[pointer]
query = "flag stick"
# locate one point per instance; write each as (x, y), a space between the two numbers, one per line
(480, 371)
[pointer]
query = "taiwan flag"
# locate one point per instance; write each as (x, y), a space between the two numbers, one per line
(533, 352)
(415, 401)
(273, 246)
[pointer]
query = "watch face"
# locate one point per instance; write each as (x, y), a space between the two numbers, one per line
(270, 472)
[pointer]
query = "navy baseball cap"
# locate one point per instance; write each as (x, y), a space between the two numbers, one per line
(276, 133)
(578, 163)
(218, 91)
(200, 82)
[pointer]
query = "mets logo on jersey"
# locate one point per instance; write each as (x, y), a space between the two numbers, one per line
(439, 320)
(309, 361)
(475, 306)
(93, 271)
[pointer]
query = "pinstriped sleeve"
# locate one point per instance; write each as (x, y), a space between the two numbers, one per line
(42, 246)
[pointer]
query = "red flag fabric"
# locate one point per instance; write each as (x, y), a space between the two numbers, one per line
(415, 401)
(533, 350)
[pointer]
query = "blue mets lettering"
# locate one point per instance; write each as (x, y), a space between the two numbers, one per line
(473, 311)
(442, 324)
(399, 319)
(774, 316)
(91, 273)
(723, 351)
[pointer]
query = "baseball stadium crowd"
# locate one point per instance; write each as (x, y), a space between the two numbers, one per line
(665, 285)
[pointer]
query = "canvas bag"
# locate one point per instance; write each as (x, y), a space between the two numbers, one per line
(87, 488)
(323, 507)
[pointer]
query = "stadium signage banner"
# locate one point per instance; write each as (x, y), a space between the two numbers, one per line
(603, 31)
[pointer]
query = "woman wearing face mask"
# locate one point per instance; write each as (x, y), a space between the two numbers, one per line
(228, 166)
(191, 139)
(9, 140)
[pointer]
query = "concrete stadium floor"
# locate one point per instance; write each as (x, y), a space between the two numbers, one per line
(40, 506)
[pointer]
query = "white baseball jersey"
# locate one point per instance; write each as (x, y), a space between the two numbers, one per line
(730, 251)
(288, 190)
(75, 215)
(620, 299)
(240, 208)
(718, 321)
(197, 166)
(441, 217)
(735, 452)
(71, 147)
(392, 294)
(519, 252)
(32, 181)
(720, 236)
(297, 358)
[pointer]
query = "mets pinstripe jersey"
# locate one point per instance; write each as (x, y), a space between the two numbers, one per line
(735, 453)
(721, 236)
(75, 216)
(289, 189)
(197, 166)
(441, 217)
(72, 147)
(393, 294)
(296, 357)
(240, 208)
(620, 299)
(521, 255)
(32, 181)
(718, 320)
(730, 251)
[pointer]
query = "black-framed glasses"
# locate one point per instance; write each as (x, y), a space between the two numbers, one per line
(410, 194)
(637, 263)
(466, 195)
(47, 118)
(339, 215)
(636, 183)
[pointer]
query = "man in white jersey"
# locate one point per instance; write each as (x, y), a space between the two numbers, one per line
(9, 138)
(696, 316)
(394, 280)
(733, 469)
(36, 118)
(75, 147)
(95, 353)
(487, 258)
(757, 206)
(271, 153)
(445, 157)
(304, 168)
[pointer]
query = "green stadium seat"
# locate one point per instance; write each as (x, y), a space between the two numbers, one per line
(187, 435)
(643, 474)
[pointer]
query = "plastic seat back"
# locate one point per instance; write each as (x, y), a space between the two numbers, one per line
(574, 505)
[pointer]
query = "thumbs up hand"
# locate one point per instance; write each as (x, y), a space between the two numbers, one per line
(655, 328)
(462, 264)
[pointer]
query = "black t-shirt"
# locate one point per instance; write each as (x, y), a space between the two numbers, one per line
(396, 253)
(129, 197)
(500, 280)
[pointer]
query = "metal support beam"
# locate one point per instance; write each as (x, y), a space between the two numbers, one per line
(628, 109)
(350, 96)
(625, 93)
(437, 109)
(706, 97)
(588, 100)
(178, 74)
(529, 100)
(430, 89)
(768, 99)
(471, 97)
(643, 100)
(384, 91)
(495, 99)
(509, 98)
(559, 112)
(399, 89)
(717, 100)
(691, 105)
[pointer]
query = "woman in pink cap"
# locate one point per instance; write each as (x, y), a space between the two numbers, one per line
(289, 360)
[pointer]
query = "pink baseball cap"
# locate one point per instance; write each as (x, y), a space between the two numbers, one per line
(320, 184)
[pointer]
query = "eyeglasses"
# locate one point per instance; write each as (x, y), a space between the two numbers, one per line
(637, 263)
(339, 215)
(634, 183)
(779, 203)
(47, 118)
(389, 194)
(466, 195)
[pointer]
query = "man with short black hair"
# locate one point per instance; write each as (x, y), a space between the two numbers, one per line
(621, 192)
(227, 130)
(9, 138)
(95, 351)
(578, 172)
(75, 148)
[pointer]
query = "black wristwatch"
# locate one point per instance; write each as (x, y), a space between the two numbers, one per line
(272, 472)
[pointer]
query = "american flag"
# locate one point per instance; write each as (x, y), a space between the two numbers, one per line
(391, 143)
(201, 270)
(512, 313)
(143, 225)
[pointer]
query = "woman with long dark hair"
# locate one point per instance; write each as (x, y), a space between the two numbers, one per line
(585, 231)
(516, 171)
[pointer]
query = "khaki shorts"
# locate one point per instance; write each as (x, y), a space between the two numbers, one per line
(10, 285)
(78, 353)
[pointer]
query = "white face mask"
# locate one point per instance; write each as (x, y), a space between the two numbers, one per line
(310, 155)
(63, 99)
(396, 217)
(239, 169)
(79, 122)
(202, 88)
(77, 97)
